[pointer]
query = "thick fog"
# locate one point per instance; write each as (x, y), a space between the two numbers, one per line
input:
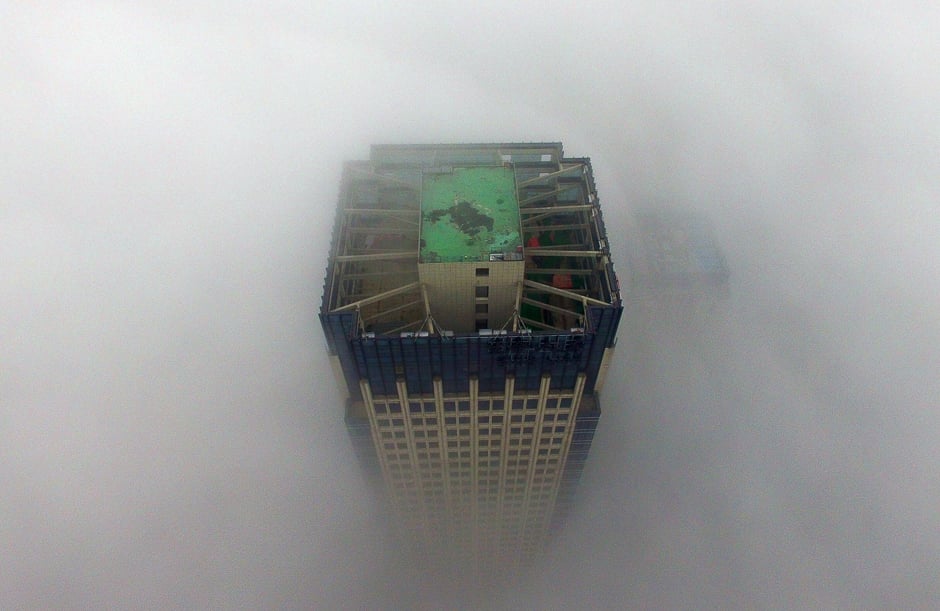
(170, 435)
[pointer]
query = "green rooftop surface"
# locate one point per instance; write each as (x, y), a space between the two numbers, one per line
(468, 214)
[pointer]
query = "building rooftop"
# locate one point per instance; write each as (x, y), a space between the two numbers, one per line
(527, 211)
(469, 213)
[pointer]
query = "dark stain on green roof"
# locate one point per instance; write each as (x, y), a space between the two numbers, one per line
(467, 218)
(469, 213)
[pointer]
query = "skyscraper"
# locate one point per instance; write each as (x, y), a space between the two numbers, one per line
(681, 275)
(470, 310)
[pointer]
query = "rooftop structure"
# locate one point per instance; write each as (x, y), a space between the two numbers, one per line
(471, 309)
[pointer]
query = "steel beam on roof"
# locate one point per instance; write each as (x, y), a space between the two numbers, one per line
(537, 179)
(382, 256)
(378, 230)
(577, 271)
(554, 209)
(353, 251)
(391, 293)
(365, 275)
(563, 293)
(404, 326)
(383, 211)
(539, 217)
(385, 178)
(427, 307)
(387, 311)
(534, 323)
(527, 227)
(551, 308)
(544, 195)
(553, 252)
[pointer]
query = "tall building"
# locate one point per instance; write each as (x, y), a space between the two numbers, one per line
(470, 310)
(680, 276)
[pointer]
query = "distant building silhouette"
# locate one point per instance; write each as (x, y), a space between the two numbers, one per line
(471, 310)
(680, 275)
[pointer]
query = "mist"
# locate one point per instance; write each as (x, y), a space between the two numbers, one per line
(170, 435)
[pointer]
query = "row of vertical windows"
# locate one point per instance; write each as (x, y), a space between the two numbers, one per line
(496, 418)
(466, 420)
(483, 404)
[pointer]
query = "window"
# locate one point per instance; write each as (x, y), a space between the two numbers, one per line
(482, 272)
(483, 291)
(482, 308)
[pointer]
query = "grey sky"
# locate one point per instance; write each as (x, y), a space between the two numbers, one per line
(169, 432)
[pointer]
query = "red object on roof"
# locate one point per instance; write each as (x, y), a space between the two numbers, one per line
(562, 281)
